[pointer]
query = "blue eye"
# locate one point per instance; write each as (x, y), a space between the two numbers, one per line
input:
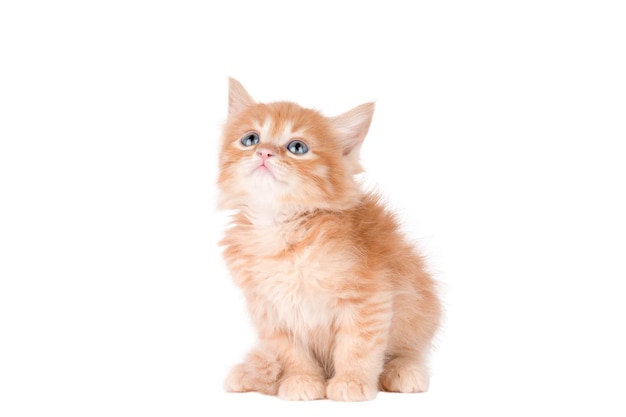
(250, 139)
(297, 147)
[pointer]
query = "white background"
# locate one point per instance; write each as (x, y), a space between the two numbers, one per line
(498, 136)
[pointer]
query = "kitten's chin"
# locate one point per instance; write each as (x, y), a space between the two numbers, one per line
(261, 192)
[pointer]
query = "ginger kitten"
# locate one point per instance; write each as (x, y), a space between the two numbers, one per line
(341, 301)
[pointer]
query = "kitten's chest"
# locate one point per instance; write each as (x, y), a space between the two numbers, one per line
(289, 284)
(294, 291)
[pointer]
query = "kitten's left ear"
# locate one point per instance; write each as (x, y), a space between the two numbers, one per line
(238, 97)
(352, 126)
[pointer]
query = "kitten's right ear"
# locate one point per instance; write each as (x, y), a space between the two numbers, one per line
(238, 97)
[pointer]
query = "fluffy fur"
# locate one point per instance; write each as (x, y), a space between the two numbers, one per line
(341, 301)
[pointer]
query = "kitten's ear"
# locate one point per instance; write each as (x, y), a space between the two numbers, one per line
(352, 126)
(238, 97)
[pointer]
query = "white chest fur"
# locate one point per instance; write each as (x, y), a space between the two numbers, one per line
(293, 293)
(289, 285)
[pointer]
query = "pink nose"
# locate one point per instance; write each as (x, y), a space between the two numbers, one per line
(264, 154)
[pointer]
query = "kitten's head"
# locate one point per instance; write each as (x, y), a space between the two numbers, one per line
(285, 157)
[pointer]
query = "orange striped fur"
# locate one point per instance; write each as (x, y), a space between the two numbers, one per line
(340, 299)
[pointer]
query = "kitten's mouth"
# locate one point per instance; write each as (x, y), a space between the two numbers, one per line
(264, 169)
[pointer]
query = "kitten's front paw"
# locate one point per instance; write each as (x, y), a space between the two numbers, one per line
(301, 388)
(346, 388)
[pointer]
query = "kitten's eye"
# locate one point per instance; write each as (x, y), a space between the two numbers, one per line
(297, 147)
(250, 139)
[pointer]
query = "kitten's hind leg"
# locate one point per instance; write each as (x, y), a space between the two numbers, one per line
(404, 374)
(259, 372)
